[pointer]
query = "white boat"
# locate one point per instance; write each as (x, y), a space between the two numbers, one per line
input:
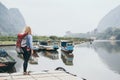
(43, 45)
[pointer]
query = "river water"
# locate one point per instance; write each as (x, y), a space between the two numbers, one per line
(97, 61)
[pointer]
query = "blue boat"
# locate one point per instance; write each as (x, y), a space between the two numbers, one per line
(67, 46)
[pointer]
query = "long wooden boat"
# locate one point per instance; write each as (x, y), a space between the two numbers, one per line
(36, 45)
(6, 61)
(44, 45)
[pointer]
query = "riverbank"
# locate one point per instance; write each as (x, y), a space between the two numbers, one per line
(43, 75)
(12, 43)
(7, 43)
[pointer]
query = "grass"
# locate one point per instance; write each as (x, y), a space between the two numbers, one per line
(7, 42)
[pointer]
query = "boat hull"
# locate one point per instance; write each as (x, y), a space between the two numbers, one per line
(6, 61)
(7, 66)
(67, 51)
(48, 46)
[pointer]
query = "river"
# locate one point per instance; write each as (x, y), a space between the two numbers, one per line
(97, 61)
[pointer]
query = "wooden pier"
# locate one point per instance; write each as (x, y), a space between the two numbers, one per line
(43, 75)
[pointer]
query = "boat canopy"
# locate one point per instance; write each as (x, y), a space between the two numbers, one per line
(65, 43)
(3, 53)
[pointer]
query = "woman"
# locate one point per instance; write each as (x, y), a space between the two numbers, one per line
(26, 46)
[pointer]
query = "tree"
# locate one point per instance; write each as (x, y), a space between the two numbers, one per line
(53, 37)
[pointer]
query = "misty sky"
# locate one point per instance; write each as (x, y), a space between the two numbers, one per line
(55, 17)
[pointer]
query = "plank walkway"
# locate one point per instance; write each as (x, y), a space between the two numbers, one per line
(46, 75)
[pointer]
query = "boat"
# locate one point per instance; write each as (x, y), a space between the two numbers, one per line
(6, 61)
(36, 45)
(67, 58)
(67, 46)
(44, 45)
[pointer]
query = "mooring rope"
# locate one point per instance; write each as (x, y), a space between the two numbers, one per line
(62, 69)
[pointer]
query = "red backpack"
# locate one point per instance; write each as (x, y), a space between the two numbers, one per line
(20, 36)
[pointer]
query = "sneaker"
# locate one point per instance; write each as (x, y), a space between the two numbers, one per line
(26, 73)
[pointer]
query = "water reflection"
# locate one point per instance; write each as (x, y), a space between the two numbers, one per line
(50, 54)
(67, 58)
(109, 52)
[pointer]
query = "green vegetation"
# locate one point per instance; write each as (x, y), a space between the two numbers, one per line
(8, 38)
(12, 39)
(45, 38)
(7, 42)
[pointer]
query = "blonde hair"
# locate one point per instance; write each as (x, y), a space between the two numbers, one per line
(28, 30)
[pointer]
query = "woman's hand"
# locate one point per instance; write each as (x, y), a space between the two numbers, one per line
(32, 52)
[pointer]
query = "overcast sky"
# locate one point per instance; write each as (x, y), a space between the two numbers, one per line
(55, 17)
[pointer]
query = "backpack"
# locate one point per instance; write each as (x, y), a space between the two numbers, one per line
(21, 42)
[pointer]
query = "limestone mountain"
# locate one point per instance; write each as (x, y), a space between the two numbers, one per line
(108, 27)
(11, 20)
(112, 19)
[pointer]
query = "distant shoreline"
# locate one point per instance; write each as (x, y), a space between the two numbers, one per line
(7, 44)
